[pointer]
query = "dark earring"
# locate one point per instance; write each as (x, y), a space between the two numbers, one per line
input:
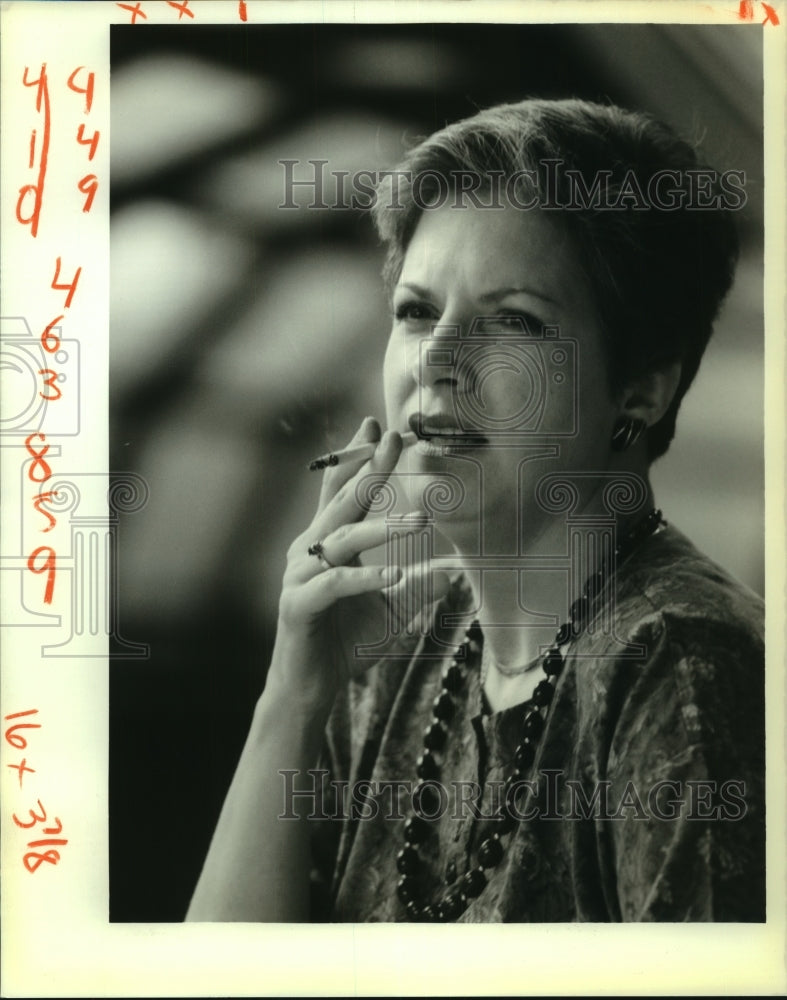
(626, 432)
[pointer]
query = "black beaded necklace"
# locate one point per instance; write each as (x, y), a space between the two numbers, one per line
(425, 798)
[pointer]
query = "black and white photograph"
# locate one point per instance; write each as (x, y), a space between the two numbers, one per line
(439, 488)
(543, 692)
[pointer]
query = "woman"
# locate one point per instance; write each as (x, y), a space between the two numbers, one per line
(572, 727)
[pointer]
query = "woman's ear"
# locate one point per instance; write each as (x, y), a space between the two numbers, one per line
(648, 397)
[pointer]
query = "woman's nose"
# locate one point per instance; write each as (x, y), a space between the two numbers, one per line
(437, 363)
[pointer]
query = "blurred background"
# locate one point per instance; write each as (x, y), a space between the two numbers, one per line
(245, 339)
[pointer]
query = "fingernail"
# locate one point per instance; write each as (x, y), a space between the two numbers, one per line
(391, 574)
(369, 428)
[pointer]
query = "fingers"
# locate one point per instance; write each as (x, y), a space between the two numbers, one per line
(336, 476)
(408, 593)
(417, 589)
(310, 588)
(355, 496)
(314, 582)
(345, 543)
(300, 603)
(350, 540)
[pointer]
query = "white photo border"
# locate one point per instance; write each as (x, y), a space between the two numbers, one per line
(57, 937)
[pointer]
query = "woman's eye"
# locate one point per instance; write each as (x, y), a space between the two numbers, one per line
(524, 324)
(414, 311)
(513, 323)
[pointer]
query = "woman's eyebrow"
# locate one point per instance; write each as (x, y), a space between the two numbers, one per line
(495, 294)
(501, 293)
(418, 289)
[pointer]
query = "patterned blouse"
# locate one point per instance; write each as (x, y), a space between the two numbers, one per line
(646, 797)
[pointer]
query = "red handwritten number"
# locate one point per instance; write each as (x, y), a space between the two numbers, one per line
(48, 568)
(39, 472)
(43, 91)
(62, 288)
(242, 9)
(37, 189)
(92, 141)
(41, 498)
(19, 742)
(51, 856)
(34, 817)
(771, 16)
(33, 859)
(39, 461)
(88, 185)
(51, 378)
(50, 341)
(87, 90)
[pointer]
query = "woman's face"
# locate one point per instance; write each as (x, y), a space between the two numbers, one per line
(512, 384)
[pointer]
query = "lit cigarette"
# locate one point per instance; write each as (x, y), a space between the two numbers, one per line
(360, 451)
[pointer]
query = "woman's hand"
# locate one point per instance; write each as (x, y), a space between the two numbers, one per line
(325, 613)
(258, 867)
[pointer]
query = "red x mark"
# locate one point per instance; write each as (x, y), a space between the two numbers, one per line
(746, 12)
(181, 8)
(136, 9)
(770, 14)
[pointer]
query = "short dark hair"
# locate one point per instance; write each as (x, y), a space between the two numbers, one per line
(658, 275)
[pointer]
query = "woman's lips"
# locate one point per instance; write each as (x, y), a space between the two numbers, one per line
(443, 429)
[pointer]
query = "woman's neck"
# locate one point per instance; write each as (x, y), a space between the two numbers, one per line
(522, 604)
(519, 610)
